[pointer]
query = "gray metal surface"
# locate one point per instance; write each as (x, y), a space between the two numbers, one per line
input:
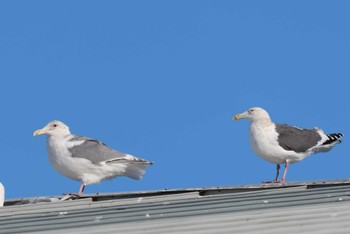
(307, 207)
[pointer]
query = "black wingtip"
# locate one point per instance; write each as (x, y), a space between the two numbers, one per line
(333, 137)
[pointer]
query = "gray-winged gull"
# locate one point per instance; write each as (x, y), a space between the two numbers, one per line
(87, 160)
(284, 144)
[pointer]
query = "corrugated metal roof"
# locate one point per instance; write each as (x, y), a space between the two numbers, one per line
(307, 207)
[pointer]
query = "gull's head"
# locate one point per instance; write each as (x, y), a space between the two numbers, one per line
(254, 114)
(54, 128)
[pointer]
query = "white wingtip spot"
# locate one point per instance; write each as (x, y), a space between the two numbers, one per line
(130, 157)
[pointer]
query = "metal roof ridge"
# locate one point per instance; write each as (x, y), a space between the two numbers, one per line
(202, 191)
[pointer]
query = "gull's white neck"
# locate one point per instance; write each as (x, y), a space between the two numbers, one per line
(61, 136)
(262, 122)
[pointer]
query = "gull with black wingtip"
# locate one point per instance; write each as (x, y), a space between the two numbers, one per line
(284, 144)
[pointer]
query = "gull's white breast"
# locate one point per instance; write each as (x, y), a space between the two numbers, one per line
(264, 141)
(60, 158)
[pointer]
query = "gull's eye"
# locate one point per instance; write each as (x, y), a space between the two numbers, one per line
(251, 110)
(54, 125)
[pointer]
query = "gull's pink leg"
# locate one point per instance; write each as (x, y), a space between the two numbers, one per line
(81, 189)
(285, 172)
(74, 195)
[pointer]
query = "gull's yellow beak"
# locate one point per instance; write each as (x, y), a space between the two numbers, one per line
(239, 116)
(39, 132)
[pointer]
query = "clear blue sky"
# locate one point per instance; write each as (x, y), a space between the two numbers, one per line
(162, 79)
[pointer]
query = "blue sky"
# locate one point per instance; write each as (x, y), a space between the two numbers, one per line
(162, 79)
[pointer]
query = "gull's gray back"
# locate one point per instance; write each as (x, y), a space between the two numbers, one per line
(296, 139)
(93, 150)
